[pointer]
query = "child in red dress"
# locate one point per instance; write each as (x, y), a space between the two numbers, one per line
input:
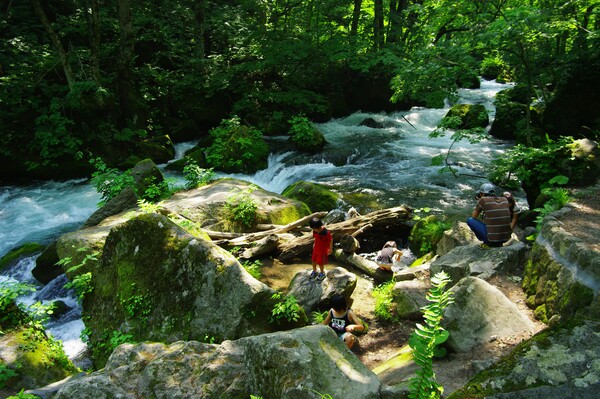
(322, 247)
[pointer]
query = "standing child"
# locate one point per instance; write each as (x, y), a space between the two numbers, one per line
(343, 320)
(322, 247)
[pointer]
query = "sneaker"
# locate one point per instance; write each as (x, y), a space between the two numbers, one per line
(313, 275)
(321, 276)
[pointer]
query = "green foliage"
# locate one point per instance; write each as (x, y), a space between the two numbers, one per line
(149, 207)
(536, 166)
(11, 314)
(158, 191)
(6, 373)
(495, 68)
(304, 135)
(240, 208)
(23, 395)
(195, 176)
(286, 308)
(253, 267)
(426, 233)
(116, 338)
(425, 340)
(384, 301)
(82, 282)
(109, 181)
(318, 317)
(237, 148)
(557, 198)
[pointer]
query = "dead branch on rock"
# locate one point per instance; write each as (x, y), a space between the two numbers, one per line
(302, 246)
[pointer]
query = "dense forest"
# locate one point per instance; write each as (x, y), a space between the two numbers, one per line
(120, 80)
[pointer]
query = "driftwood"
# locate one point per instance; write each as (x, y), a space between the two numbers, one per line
(245, 240)
(302, 246)
(263, 246)
(368, 267)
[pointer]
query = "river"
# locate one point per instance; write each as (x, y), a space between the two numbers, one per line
(390, 164)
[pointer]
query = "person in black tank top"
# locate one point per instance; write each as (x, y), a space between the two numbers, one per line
(343, 320)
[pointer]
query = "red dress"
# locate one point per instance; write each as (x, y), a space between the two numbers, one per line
(321, 247)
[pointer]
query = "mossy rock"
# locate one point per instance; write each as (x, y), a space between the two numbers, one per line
(35, 359)
(316, 196)
(16, 254)
(310, 140)
(196, 155)
(469, 116)
(560, 362)
(426, 234)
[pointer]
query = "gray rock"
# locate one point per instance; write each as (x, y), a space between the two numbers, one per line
(561, 362)
(288, 365)
(460, 234)
(315, 294)
(411, 273)
(471, 260)
(409, 298)
(479, 313)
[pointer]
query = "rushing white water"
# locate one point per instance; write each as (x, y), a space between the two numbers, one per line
(391, 164)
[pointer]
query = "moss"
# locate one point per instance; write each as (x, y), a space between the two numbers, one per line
(316, 196)
(426, 234)
(39, 361)
(541, 314)
(288, 214)
(20, 252)
(423, 259)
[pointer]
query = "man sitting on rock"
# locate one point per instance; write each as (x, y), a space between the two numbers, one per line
(495, 229)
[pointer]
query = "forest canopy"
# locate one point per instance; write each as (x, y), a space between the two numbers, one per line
(86, 78)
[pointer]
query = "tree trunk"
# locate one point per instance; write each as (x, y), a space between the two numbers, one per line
(199, 14)
(130, 105)
(302, 246)
(378, 26)
(62, 53)
(355, 17)
(93, 18)
(368, 267)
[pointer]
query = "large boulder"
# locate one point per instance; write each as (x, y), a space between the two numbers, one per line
(561, 362)
(284, 365)
(30, 358)
(469, 116)
(409, 297)
(315, 294)
(157, 282)
(317, 196)
(472, 260)
(562, 277)
(206, 205)
(460, 234)
(479, 312)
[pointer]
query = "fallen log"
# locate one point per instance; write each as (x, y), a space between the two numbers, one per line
(302, 245)
(263, 246)
(245, 240)
(368, 267)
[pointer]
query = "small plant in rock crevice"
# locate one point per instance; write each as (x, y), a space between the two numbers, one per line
(384, 306)
(241, 209)
(285, 308)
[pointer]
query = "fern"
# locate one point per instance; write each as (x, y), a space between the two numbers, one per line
(425, 340)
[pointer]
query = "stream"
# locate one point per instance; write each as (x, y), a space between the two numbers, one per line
(390, 164)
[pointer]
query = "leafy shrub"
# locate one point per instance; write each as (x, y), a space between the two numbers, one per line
(11, 314)
(304, 135)
(384, 306)
(109, 181)
(286, 308)
(6, 373)
(158, 191)
(195, 176)
(81, 283)
(237, 148)
(253, 268)
(426, 233)
(557, 198)
(318, 317)
(240, 208)
(23, 395)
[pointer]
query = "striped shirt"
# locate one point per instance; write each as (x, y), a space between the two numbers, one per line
(497, 218)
